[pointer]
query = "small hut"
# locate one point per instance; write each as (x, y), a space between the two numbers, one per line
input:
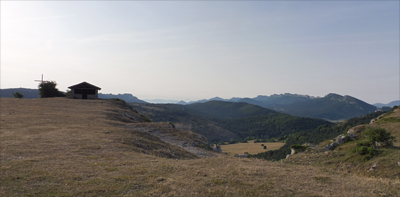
(84, 90)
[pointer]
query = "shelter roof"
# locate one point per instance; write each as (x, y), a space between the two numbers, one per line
(84, 85)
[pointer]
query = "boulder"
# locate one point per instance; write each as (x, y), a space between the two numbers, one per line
(336, 142)
(293, 151)
(308, 144)
(357, 129)
(217, 148)
(372, 121)
(352, 136)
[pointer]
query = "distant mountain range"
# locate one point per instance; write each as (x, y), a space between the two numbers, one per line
(391, 104)
(28, 93)
(330, 107)
(129, 98)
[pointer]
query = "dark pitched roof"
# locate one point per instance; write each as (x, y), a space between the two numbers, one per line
(84, 85)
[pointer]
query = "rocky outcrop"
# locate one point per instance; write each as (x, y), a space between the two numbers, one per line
(336, 142)
(357, 129)
(217, 148)
(241, 156)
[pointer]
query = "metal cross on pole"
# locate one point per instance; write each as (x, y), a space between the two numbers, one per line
(41, 81)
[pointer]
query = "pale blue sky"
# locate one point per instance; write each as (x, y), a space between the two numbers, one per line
(201, 49)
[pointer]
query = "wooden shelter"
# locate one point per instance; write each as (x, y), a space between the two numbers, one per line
(84, 90)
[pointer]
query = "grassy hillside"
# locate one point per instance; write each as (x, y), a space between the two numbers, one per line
(345, 158)
(63, 147)
(316, 135)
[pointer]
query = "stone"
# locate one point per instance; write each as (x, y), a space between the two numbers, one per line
(372, 168)
(292, 151)
(328, 147)
(308, 144)
(357, 129)
(217, 148)
(352, 136)
(372, 121)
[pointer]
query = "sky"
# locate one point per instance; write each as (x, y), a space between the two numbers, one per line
(191, 50)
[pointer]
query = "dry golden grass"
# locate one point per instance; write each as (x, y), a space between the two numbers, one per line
(63, 147)
(250, 147)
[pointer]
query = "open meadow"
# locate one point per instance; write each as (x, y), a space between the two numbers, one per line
(250, 147)
(66, 147)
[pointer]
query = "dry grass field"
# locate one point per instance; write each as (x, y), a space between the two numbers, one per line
(64, 147)
(250, 147)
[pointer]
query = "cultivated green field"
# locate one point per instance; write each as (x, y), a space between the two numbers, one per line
(250, 147)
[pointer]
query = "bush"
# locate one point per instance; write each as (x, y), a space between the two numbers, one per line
(380, 135)
(48, 89)
(366, 152)
(18, 95)
(359, 144)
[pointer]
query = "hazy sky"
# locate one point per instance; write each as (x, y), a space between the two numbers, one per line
(202, 49)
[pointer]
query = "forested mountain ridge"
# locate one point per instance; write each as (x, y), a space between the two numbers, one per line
(332, 107)
(221, 121)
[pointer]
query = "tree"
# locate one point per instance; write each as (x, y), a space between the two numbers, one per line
(380, 135)
(48, 89)
(18, 95)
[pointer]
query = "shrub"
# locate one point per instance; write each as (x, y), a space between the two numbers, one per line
(18, 95)
(366, 152)
(359, 144)
(380, 135)
(265, 147)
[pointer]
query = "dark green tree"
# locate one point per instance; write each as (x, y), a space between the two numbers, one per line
(48, 89)
(380, 135)
(18, 95)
